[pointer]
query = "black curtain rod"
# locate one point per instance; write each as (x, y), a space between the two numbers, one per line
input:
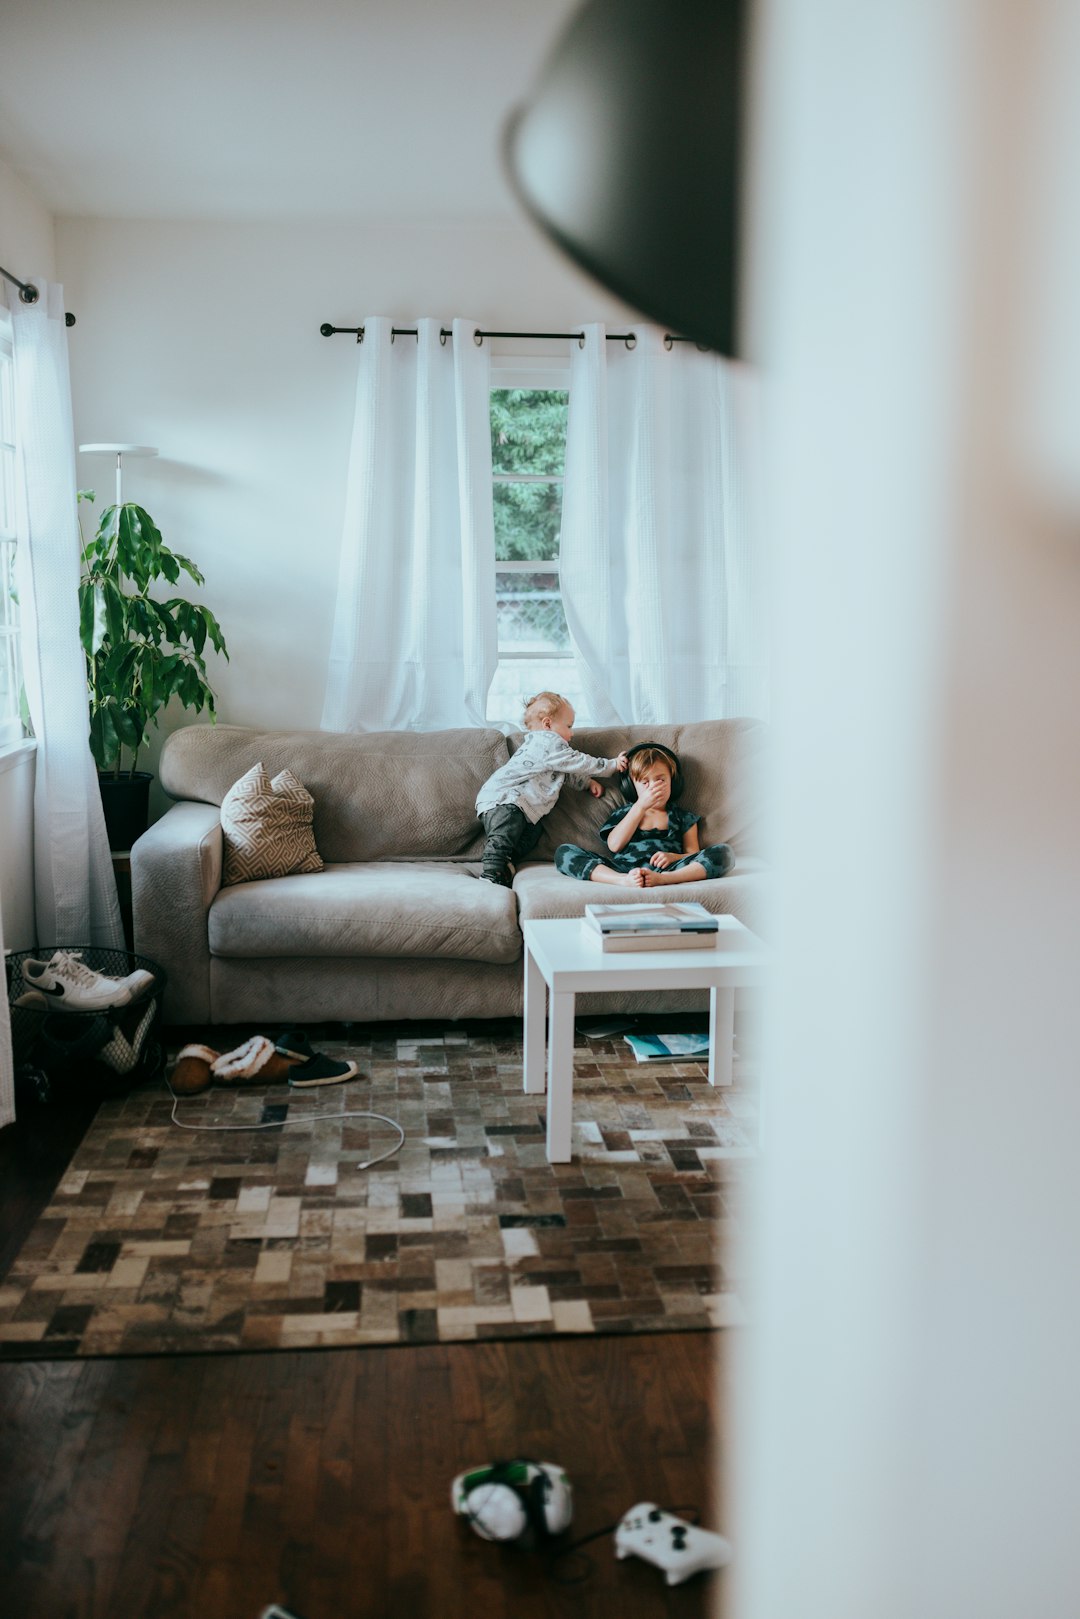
(629, 338)
(29, 293)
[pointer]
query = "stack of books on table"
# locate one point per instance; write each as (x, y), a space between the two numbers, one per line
(680, 925)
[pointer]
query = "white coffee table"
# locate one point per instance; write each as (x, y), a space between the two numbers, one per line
(563, 958)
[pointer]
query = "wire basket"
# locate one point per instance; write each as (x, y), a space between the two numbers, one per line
(107, 1051)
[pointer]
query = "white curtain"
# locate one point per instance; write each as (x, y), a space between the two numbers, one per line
(662, 568)
(74, 887)
(413, 644)
(7, 1068)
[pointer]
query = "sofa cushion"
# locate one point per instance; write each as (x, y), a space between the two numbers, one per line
(418, 908)
(378, 794)
(721, 762)
(266, 827)
(542, 892)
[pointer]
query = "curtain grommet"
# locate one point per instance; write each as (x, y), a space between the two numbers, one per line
(669, 341)
(631, 340)
(478, 337)
(443, 335)
(581, 340)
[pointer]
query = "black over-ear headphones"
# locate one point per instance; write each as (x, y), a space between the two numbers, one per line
(626, 781)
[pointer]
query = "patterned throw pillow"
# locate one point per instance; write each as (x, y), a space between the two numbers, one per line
(267, 827)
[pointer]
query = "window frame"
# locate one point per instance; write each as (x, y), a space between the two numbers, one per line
(547, 373)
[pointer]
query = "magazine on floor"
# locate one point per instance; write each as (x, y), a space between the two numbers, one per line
(668, 1047)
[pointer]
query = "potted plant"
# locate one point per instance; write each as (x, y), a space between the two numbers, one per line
(140, 652)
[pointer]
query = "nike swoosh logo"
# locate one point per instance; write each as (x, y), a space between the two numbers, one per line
(57, 989)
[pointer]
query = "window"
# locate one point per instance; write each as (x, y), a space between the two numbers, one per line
(528, 449)
(11, 725)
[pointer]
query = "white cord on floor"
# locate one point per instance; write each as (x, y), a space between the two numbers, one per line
(312, 1118)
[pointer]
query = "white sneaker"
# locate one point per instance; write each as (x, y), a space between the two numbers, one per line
(72, 986)
(138, 982)
(122, 1052)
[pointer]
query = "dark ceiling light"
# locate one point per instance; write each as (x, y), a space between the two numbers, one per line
(629, 152)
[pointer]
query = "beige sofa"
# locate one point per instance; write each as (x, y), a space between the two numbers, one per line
(399, 925)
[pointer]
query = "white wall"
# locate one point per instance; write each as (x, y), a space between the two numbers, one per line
(26, 249)
(908, 1414)
(203, 339)
(26, 233)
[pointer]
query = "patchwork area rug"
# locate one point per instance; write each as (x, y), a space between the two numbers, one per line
(161, 1240)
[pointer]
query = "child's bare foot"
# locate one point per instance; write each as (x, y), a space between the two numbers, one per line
(685, 874)
(623, 879)
(660, 879)
(631, 879)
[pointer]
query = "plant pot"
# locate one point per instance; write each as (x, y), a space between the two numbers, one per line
(126, 801)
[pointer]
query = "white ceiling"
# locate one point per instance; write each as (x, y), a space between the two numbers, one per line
(267, 109)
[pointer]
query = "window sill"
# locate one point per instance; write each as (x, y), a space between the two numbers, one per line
(14, 754)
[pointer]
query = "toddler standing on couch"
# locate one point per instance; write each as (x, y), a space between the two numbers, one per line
(513, 802)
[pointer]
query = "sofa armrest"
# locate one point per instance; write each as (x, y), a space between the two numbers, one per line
(175, 874)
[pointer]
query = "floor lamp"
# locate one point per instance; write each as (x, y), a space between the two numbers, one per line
(119, 450)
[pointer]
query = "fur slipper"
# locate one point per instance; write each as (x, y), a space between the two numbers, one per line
(254, 1063)
(191, 1073)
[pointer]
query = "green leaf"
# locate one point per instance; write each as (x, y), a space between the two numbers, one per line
(91, 617)
(214, 630)
(116, 618)
(146, 682)
(189, 567)
(166, 622)
(194, 624)
(104, 743)
(126, 726)
(107, 525)
(138, 545)
(119, 674)
(183, 613)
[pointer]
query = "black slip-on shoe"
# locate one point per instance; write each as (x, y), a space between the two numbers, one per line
(294, 1043)
(311, 1067)
(321, 1070)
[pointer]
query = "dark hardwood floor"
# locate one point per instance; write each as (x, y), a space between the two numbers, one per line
(205, 1487)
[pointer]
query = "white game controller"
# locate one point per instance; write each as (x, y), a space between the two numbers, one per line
(679, 1548)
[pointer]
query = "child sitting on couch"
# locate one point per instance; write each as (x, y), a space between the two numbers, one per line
(652, 840)
(513, 802)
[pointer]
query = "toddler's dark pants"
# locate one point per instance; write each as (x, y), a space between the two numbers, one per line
(717, 859)
(510, 836)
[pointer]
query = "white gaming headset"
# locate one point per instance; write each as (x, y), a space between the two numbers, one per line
(516, 1500)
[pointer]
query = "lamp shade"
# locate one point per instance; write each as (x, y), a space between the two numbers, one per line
(117, 449)
(629, 152)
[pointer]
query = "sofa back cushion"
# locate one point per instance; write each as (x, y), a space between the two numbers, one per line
(377, 793)
(721, 762)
